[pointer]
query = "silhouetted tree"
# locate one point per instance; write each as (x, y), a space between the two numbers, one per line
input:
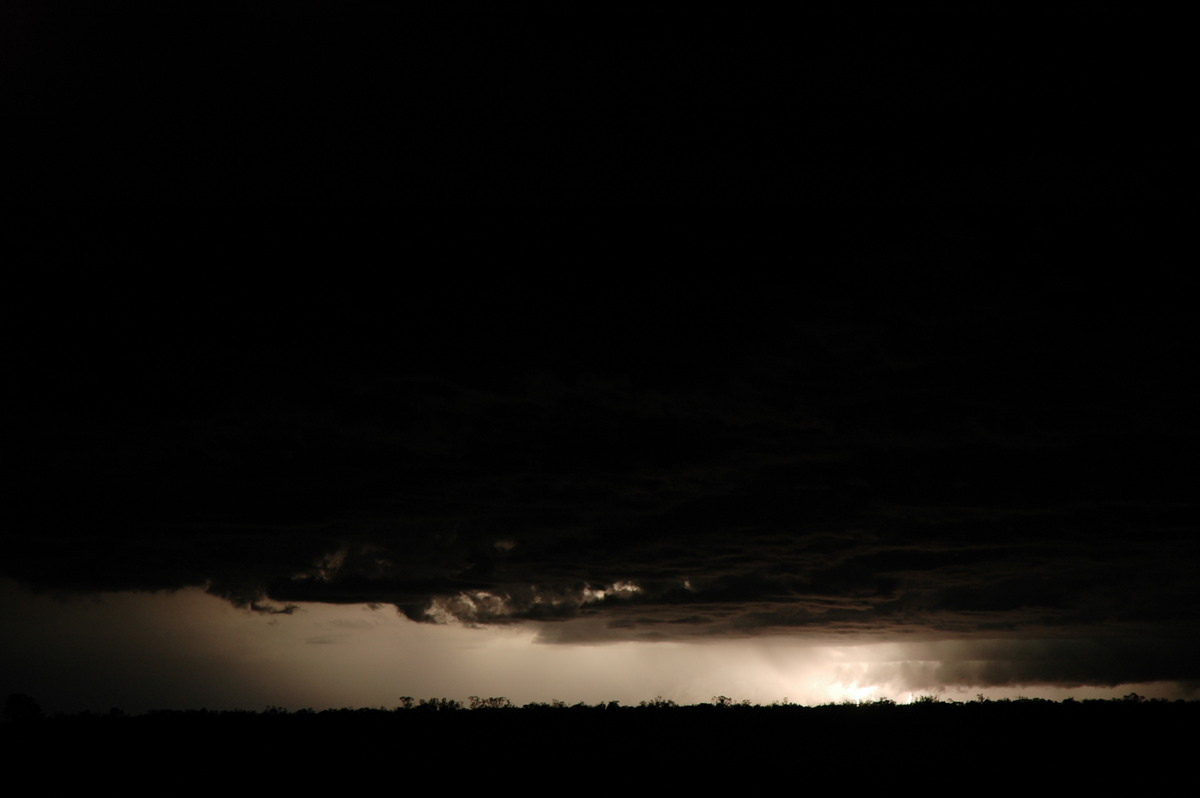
(21, 707)
(439, 704)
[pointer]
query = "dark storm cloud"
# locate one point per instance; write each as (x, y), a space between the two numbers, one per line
(1063, 663)
(642, 457)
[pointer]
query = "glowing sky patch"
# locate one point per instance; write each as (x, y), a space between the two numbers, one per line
(189, 649)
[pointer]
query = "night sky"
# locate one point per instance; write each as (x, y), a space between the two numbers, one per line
(594, 356)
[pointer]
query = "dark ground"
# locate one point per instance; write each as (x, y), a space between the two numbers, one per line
(933, 747)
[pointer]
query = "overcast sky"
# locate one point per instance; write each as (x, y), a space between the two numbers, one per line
(919, 416)
(792, 439)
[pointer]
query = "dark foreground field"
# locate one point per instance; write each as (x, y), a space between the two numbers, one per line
(435, 746)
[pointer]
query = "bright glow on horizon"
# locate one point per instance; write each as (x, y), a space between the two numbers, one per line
(188, 649)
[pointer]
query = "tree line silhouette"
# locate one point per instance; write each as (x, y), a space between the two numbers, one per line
(23, 708)
(1131, 743)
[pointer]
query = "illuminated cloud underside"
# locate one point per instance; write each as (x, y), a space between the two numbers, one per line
(190, 650)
